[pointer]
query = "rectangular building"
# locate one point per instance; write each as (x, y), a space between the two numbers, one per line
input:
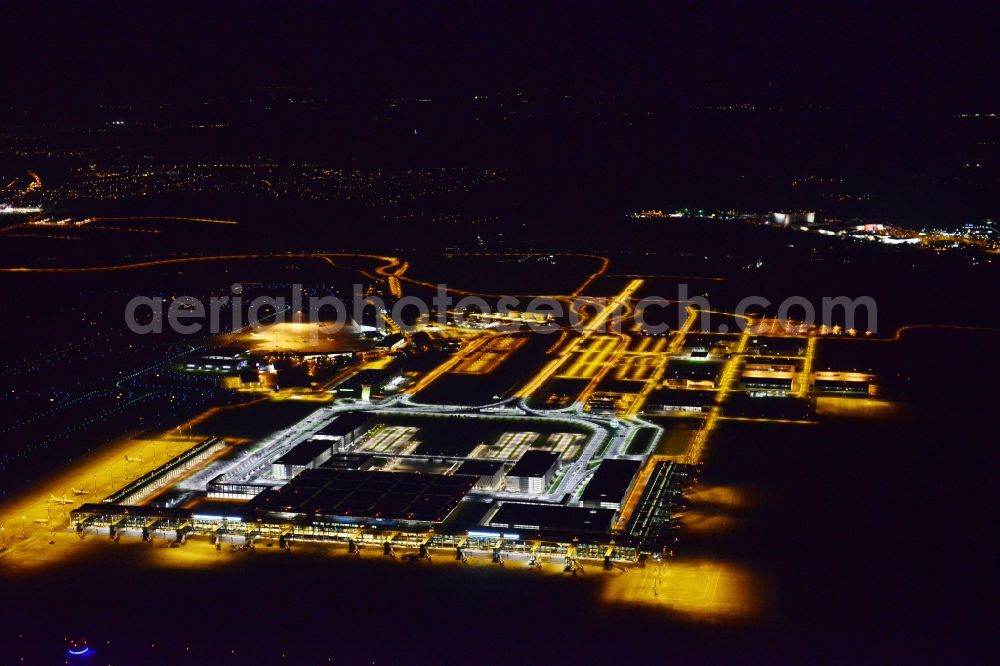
(307, 455)
(693, 374)
(533, 472)
(845, 383)
(768, 381)
(489, 473)
(678, 400)
(358, 461)
(220, 359)
(610, 484)
(345, 430)
(548, 518)
(766, 345)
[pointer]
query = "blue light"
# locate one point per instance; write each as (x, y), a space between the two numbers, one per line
(486, 535)
(85, 651)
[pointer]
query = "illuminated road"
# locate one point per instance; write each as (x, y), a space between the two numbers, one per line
(727, 380)
(392, 268)
(618, 305)
(153, 218)
(805, 376)
(605, 367)
(454, 361)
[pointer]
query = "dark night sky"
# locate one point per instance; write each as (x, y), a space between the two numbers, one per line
(866, 53)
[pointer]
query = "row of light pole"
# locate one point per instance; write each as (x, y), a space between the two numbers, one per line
(48, 510)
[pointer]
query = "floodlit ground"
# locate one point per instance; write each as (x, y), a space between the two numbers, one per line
(41, 513)
(705, 588)
(489, 356)
(592, 356)
(299, 337)
(702, 588)
(851, 407)
(713, 510)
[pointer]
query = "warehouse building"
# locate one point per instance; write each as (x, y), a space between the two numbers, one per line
(747, 405)
(767, 381)
(699, 374)
(308, 455)
(844, 383)
(359, 461)
(533, 472)
(220, 359)
(344, 431)
(777, 346)
(611, 484)
(489, 474)
(678, 400)
(547, 518)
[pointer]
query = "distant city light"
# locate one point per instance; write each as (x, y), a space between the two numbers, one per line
(7, 209)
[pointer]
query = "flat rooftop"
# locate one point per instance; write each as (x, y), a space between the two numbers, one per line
(533, 463)
(611, 481)
(348, 493)
(835, 376)
(769, 407)
(768, 374)
(679, 398)
(479, 468)
(697, 370)
(776, 362)
(791, 346)
(554, 517)
(345, 423)
(348, 461)
(304, 453)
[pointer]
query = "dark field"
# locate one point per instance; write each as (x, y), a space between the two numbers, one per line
(558, 392)
(481, 389)
(254, 421)
(517, 274)
(677, 431)
(641, 441)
